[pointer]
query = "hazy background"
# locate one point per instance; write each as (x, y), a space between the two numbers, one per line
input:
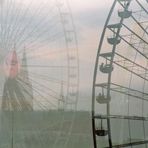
(89, 18)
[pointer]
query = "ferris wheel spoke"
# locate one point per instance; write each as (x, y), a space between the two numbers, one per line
(131, 70)
(38, 42)
(133, 33)
(130, 62)
(40, 93)
(31, 54)
(122, 117)
(43, 85)
(37, 47)
(8, 29)
(131, 66)
(143, 8)
(50, 39)
(12, 19)
(45, 99)
(41, 105)
(108, 64)
(16, 23)
(36, 12)
(39, 84)
(37, 39)
(2, 16)
(130, 44)
(130, 144)
(136, 21)
(142, 41)
(33, 30)
(10, 6)
(125, 90)
(38, 36)
(47, 78)
(48, 66)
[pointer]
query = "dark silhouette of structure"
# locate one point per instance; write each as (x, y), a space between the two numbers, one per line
(17, 91)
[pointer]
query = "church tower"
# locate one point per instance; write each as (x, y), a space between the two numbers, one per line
(17, 91)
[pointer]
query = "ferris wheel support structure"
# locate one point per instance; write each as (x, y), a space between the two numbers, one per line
(71, 45)
(108, 68)
(38, 41)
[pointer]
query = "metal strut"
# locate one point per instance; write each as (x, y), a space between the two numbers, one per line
(113, 41)
(94, 79)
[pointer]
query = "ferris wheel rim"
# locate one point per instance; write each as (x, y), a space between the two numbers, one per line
(72, 70)
(95, 75)
(71, 55)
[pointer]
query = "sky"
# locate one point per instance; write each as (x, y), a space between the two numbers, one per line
(29, 25)
(89, 18)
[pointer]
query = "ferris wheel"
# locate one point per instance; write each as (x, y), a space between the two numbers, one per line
(39, 63)
(120, 83)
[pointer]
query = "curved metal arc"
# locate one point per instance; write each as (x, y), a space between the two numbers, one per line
(69, 32)
(95, 73)
(68, 46)
(110, 74)
(69, 83)
(74, 102)
(76, 42)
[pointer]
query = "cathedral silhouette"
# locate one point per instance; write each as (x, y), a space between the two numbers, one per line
(17, 91)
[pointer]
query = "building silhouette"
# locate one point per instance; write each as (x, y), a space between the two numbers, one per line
(17, 91)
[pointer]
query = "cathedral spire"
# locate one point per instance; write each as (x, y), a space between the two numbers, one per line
(17, 92)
